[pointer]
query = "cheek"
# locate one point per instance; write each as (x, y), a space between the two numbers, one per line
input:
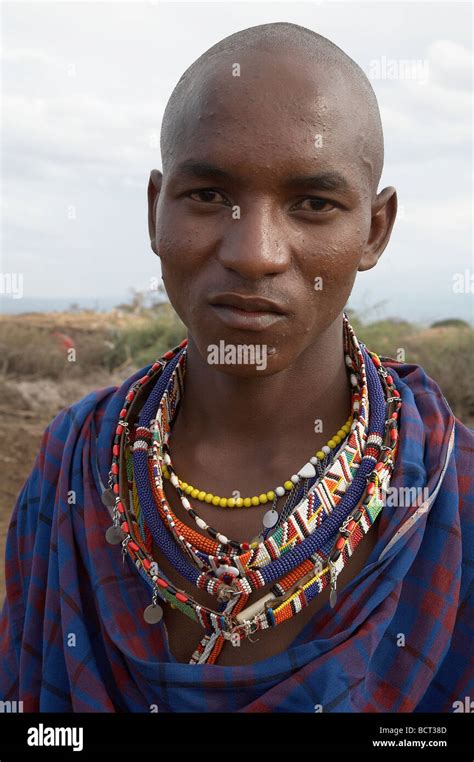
(328, 265)
(184, 248)
(183, 258)
(331, 260)
(181, 233)
(178, 258)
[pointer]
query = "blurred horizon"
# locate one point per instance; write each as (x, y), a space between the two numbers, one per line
(366, 309)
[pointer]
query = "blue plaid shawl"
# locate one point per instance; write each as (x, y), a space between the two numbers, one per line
(72, 635)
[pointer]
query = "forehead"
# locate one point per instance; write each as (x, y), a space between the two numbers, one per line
(258, 114)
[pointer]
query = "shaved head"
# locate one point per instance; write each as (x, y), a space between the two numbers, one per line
(339, 83)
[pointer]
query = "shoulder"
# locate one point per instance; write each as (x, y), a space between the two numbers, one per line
(415, 377)
(429, 395)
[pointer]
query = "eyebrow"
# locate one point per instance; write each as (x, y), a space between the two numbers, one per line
(201, 169)
(330, 180)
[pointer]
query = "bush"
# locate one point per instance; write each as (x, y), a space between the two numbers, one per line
(144, 340)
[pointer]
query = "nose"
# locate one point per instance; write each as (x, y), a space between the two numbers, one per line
(255, 245)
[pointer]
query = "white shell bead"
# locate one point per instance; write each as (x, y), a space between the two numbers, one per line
(270, 519)
(227, 570)
(201, 524)
(140, 444)
(280, 491)
(222, 539)
(307, 471)
(326, 450)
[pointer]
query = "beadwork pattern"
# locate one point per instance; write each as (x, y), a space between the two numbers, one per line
(302, 556)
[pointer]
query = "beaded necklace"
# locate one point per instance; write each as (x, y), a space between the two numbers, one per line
(316, 465)
(301, 557)
(184, 534)
(306, 472)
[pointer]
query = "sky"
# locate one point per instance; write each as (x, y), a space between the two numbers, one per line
(84, 86)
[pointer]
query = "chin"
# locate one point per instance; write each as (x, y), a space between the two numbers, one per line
(244, 354)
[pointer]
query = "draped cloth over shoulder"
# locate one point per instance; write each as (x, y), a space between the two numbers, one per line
(72, 634)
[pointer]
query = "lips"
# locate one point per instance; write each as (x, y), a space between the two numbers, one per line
(251, 304)
(247, 313)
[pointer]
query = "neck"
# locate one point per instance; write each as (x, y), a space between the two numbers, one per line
(273, 411)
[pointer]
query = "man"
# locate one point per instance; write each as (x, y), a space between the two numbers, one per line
(252, 496)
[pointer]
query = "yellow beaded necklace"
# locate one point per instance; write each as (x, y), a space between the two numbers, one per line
(265, 497)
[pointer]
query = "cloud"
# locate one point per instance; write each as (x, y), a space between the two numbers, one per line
(81, 129)
(442, 217)
(428, 122)
(29, 55)
(54, 123)
(452, 64)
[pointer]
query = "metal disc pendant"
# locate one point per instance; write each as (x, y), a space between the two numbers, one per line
(270, 519)
(114, 535)
(108, 498)
(332, 598)
(152, 614)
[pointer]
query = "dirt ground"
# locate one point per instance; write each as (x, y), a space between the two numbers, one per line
(26, 408)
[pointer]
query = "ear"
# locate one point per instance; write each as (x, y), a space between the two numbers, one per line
(154, 187)
(384, 212)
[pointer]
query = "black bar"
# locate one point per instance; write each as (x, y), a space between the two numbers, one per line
(116, 735)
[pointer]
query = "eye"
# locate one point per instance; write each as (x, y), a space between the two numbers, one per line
(208, 196)
(315, 204)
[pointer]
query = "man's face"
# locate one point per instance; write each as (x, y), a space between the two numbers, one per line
(267, 193)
